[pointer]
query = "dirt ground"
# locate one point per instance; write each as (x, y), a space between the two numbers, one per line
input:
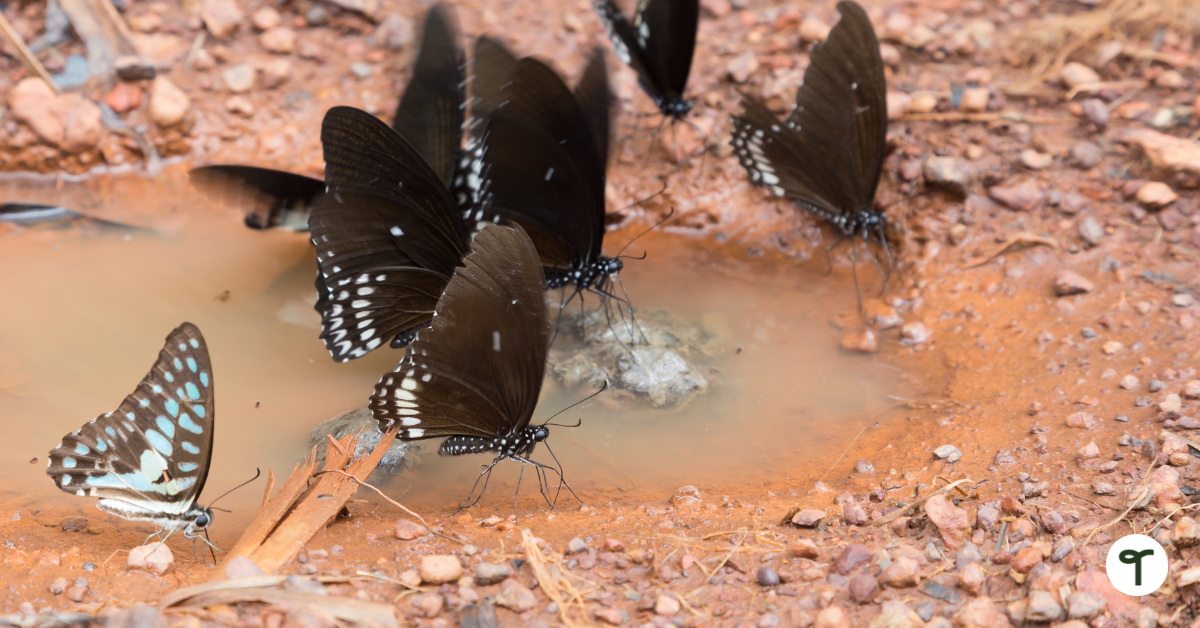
(1014, 178)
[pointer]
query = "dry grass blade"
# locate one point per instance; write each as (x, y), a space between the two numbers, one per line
(1015, 242)
(557, 586)
(30, 62)
(179, 595)
(396, 504)
(896, 514)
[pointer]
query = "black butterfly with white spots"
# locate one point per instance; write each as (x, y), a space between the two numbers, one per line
(148, 460)
(828, 154)
(659, 45)
(474, 376)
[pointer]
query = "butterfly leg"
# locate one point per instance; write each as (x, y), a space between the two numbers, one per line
(653, 139)
(878, 266)
(887, 252)
(562, 303)
(163, 540)
(854, 271)
(204, 538)
(830, 248)
(521, 474)
(485, 475)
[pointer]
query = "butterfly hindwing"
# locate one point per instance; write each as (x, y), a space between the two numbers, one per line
(477, 371)
(658, 44)
(151, 454)
(430, 114)
(594, 97)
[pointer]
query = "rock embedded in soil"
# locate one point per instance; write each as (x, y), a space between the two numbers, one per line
(852, 557)
(155, 558)
(169, 105)
(804, 548)
(865, 467)
(901, 573)
(767, 577)
(406, 530)
(1156, 195)
(439, 569)
(915, 333)
(832, 617)
(221, 17)
(239, 79)
(1024, 197)
(686, 496)
(515, 596)
(611, 616)
(1091, 231)
(1069, 282)
(59, 586)
(808, 518)
(974, 100)
(1186, 533)
(280, 40)
(863, 588)
(1096, 112)
(950, 520)
(949, 173)
(576, 546)
(265, 18)
(1025, 559)
(862, 341)
(666, 605)
(1043, 607)
(949, 453)
(1084, 605)
(1035, 160)
(489, 573)
(1075, 74)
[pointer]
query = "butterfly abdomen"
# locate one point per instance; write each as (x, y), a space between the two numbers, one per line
(462, 445)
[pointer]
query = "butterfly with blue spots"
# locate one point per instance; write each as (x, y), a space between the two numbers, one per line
(148, 459)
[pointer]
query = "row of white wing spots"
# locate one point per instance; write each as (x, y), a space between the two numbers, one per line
(366, 333)
(618, 44)
(748, 144)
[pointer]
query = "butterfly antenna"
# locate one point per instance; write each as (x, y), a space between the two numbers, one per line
(257, 472)
(658, 193)
(603, 387)
(652, 228)
(828, 258)
(653, 139)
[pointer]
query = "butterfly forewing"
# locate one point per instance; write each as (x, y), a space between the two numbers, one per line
(430, 113)
(829, 152)
(543, 169)
(666, 30)
(477, 371)
(152, 453)
(594, 97)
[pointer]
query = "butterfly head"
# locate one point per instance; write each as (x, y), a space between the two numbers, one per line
(677, 108)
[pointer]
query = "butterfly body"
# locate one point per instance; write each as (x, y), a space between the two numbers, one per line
(585, 275)
(519, 443)
(148, 460)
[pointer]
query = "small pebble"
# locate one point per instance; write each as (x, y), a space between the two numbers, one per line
(949, 453)
(360, 69)
(767, 577)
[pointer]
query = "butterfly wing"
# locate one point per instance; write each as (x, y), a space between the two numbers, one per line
(594, 97)
(542, 167)
(153, 452)
(666, 31)
(233, 184)
(430, 113)
(829, 152)
(477, 371)
(386, 210)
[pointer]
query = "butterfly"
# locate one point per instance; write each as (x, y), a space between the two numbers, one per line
(658, 45)
(148, 460)
(387, 234)
(430, 116)
(828, 154)
(475, 375)
(544, 158)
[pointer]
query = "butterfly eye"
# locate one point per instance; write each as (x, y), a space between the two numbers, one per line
(203, 520)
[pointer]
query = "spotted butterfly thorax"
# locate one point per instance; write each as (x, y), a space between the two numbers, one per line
(148, 459)
(828, 154)
(659, 45)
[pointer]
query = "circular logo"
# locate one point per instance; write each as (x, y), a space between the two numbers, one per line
(1137, 565)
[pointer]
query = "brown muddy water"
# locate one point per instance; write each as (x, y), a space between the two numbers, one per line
(87, 309)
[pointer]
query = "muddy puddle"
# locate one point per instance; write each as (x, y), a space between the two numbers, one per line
(780, 398)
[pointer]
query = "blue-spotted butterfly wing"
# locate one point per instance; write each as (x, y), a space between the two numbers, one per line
(658, 44)
(387, 234)
(431, 111)
(828, 154)
(543, 169)
(149, 458)
(477, 370)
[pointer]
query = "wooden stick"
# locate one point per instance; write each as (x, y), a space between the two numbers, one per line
(270, 486)
(273, 509)
(319, 505)
(31, 62)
